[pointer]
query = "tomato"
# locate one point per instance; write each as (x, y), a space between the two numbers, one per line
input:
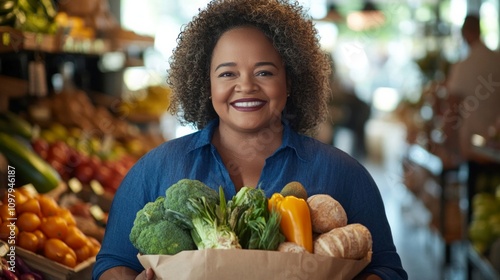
(31, 205)
(28, 241)
(8, 230)
(54, 227)
(55, 249)
(75, 238)
(28, 221)
(67, 215)
(41, 238)
(48, 205)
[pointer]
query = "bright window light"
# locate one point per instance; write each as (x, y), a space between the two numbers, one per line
(385, 99)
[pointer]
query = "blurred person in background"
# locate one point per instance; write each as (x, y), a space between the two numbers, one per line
(473, 86)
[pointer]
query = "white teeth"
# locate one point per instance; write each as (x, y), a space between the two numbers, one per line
(248, 104)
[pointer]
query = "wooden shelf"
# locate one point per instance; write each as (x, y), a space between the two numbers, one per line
(13, 40)
(490, 153)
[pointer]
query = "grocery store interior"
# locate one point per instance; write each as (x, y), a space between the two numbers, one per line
(82, 89)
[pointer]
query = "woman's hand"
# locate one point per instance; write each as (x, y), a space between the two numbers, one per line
(147, 274)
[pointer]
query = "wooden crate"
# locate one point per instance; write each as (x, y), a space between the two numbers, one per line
(52, 270)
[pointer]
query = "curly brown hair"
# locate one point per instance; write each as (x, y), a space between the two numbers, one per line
(293, 35)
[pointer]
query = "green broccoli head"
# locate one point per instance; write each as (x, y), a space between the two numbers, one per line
(178, 195)
(151, 213)
(163, 237)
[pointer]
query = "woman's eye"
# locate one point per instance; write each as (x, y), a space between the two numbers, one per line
(264, 73)
(225, 74)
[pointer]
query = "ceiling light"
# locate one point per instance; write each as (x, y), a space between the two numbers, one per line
(332, 14)
(368, 18)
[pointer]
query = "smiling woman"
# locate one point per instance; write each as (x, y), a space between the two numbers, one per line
(252, 77)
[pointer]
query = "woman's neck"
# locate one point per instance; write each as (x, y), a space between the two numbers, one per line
(248, 145)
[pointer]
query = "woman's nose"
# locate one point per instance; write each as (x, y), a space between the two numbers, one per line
(246, 83)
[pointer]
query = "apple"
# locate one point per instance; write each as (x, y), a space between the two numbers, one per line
(104, 175)
(59, 151)
(61, 169)
(84, 172)
(41, 147)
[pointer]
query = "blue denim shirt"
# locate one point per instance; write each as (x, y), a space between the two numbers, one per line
(320, 168)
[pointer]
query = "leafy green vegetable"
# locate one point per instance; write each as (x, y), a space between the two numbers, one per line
(210, 228)
(153, 233)
(255, 225)
(177, 195)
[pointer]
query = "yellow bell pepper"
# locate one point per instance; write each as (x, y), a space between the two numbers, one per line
(295, 222)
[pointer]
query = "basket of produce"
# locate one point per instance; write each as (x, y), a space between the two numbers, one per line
(45, 235)
(286, 235)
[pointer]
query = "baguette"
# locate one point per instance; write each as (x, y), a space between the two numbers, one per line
(326, 213)
(353, 241)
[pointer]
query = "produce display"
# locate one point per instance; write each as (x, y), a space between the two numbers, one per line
(153, 100)
(249, 220)
(17, 269)
(484, 228)
(43, 227)
(29, 15)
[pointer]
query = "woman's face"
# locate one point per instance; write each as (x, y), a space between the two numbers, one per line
(248, 80)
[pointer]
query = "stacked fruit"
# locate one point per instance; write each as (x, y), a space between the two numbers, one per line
(153, 100)
(75, 155)
(29, 15)
(484, 228)
(43, 227)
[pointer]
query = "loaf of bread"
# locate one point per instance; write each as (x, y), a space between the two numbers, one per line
(291, 247)
(326, 213)
(352, 241)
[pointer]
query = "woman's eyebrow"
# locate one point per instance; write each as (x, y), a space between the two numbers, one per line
(264, 63)
(225, 65)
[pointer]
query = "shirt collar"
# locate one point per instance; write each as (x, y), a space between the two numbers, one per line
(291, 140)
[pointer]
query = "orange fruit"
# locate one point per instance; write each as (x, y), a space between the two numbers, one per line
(67, 215)
(28, 241)
(54, 227)
(14, 197)
(7, 213)
(82, 253)
(48, 205)
(94, 245)
(27, 192)
(8, 231)
(75, 238)
(31, 205)
(55, 249)
(28, 221)
(69, 260)
(41, 238)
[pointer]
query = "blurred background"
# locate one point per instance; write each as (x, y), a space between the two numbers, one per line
(82, 87)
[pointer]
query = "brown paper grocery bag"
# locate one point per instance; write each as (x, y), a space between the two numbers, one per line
(217, 264)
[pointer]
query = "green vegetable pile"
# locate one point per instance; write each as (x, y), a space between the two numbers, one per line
(192, 216)
(29, 15)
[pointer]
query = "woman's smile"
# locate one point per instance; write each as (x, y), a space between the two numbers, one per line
(248, 104)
